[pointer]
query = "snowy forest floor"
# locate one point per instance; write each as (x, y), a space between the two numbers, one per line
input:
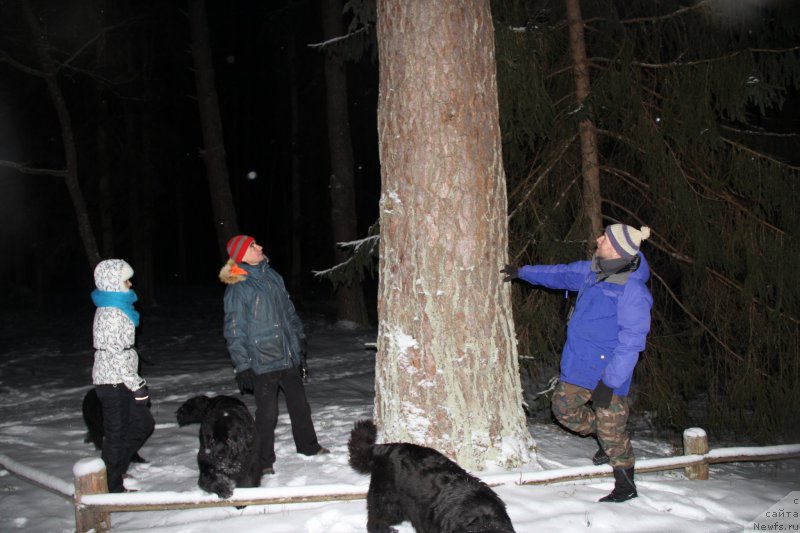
(45, 370)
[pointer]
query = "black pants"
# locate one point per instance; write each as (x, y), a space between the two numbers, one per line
(266, 393)
(126, 427)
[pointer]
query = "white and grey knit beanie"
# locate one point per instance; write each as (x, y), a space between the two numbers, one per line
(625, 239)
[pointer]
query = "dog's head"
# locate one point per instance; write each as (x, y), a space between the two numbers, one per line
(192, 410)
(213, 478)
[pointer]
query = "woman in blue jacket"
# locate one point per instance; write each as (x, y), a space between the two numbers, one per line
(606, 332)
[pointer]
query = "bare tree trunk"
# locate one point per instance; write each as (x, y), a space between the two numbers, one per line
(349, 295)
(218, 181)
(105, 196)
(297, 233)
(144, 177)
(70, 152)
(447, 373)
(590, 160)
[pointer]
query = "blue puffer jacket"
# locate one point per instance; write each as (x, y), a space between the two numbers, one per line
(609, 326)
(261, 327)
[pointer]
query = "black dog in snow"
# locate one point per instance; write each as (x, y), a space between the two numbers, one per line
(93, 418)
(421, 485)
(229, 453)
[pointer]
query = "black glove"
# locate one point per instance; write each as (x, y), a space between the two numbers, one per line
(510, 272)
(141, 396)
(303, 348)
(601, 395)
(303, 358)
(244, 380)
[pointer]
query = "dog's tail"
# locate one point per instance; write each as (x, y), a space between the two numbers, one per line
(362, 438)
(192, 410)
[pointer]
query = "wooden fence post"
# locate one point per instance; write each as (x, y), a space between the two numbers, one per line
(695, 442)
(90, 478)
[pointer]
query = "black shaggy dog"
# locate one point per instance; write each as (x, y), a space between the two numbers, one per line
(421, 485)
(93, 417)
(229, 451)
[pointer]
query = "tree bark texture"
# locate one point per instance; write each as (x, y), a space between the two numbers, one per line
(67, 138)
(349, 296)
(447, 372)
(215, 159)
(590, 159)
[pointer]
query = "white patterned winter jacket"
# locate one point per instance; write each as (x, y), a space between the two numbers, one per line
(115, 359)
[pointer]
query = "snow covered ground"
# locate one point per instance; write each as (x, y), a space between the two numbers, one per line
(45, 369)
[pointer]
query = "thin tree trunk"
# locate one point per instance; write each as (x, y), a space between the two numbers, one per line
(142, 223)
(105, 195)
(70, 152)
(297, 233)
(349, 296)
(447, 373)
(219, 184)
(590, 159)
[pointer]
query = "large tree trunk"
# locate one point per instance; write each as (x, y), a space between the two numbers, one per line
(590, 159)
(70, 151)
(218, 182)
(447, 372)
(349, 295)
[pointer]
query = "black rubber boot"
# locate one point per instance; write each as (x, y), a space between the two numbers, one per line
(600, 458)
(624, 487)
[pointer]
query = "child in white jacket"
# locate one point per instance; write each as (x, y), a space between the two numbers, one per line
(127, 421)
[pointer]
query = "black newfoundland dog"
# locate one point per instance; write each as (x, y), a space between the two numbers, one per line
(421, 485)
(93, 417)
(229, 451)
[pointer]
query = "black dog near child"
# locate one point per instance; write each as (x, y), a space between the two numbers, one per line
(228, 456)
(93, 418)
(421, 485)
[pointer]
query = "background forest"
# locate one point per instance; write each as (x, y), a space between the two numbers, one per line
(696, 113)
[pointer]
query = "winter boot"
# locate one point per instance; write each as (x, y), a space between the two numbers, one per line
(600, 458)
(624, 488)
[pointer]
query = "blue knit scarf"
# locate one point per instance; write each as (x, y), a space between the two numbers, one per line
(121, 300)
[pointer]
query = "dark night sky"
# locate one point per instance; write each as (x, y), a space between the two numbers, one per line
(38, 228)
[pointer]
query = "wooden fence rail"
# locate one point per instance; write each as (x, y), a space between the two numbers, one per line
(93, 504)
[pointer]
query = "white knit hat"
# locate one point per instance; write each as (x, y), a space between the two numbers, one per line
(625, 239)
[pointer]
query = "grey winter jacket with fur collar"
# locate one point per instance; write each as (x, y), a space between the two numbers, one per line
(261, 326)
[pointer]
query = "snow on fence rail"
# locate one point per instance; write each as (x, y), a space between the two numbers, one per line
(93, 504)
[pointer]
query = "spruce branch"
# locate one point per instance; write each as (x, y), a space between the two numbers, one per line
(656, 242)
(639, 20)
(103, 31)
(678, 63)
(703, 326)
(759, 132)
(5, 58)
(363, 254)
(25, 169)
(540, 175)
(759, 155)
(635, 182)
(619, 137)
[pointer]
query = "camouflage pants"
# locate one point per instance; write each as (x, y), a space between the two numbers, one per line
(570, 409)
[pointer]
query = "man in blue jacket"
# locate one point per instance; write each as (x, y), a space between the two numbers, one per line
(266, 342)
(607, 330)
